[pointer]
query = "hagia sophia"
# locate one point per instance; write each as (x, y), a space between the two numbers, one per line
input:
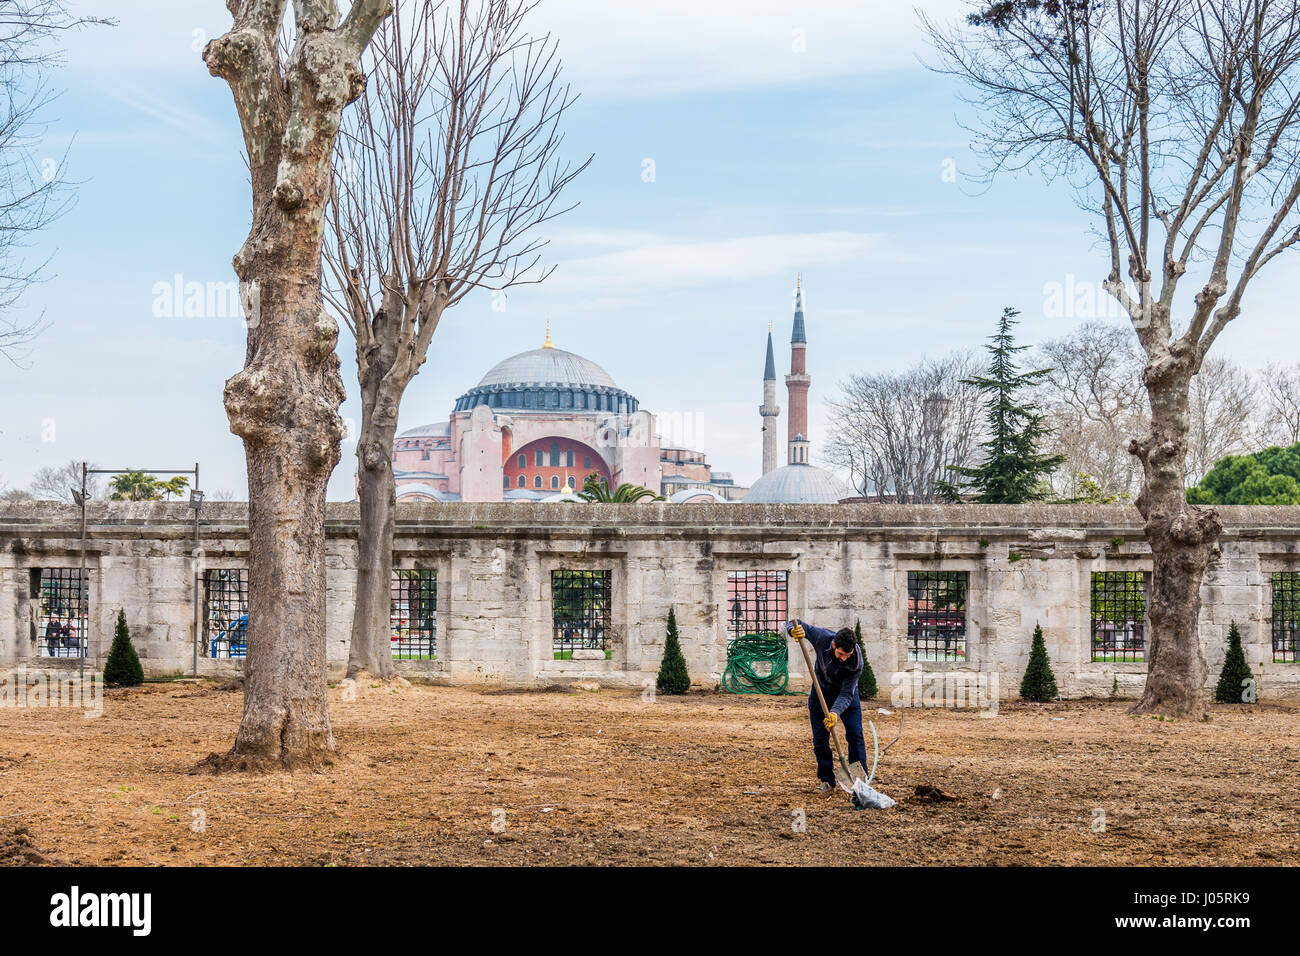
(538, 423)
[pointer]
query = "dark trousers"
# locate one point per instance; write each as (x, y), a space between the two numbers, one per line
(851, 720)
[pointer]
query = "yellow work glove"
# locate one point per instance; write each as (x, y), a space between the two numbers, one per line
(830, 721)
(797, 631)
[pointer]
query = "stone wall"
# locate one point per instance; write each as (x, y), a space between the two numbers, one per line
(1027, 565)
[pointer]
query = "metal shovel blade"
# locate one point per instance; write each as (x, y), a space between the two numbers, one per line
(847, 774)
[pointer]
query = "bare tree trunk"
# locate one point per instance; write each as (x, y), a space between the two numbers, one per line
(284, 402)
(1184, 539)
(370, 649)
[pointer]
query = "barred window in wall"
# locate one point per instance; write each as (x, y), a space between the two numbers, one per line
(61, 621)
(936, 615)
(226, 600)
(1286, 616)
(413, 619)
(757, 602)
(1119, 611)
(580, 609)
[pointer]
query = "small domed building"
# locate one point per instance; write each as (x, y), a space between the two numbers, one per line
(533, 428)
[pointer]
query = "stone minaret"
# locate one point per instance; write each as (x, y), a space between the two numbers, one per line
(769, 410)
(796, 384)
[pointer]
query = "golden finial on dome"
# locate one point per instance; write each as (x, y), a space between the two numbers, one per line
(798, 281)
(548, 344)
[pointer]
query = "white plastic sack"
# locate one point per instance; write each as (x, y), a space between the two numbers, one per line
(865, 796)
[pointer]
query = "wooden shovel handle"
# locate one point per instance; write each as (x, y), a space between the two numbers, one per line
(812, 674)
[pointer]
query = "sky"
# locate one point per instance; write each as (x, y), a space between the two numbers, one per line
(736, 144)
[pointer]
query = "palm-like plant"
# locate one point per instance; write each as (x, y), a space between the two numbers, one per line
(596, 489)
(136, 486)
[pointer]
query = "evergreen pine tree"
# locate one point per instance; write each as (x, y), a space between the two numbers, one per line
(867, 680)
(1013, 472)
(673, 677)
(122, 669)
(1232, 687)
(1039, 683)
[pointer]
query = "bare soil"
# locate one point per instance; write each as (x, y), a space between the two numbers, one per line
(439, 775)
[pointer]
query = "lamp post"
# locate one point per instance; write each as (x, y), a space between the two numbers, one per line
(83, 585)
(196, 503)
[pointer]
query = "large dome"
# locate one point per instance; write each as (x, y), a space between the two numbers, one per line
(546, 380)
(797, 484)
(547, 366)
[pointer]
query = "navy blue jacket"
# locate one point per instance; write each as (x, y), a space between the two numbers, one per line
(838, 679)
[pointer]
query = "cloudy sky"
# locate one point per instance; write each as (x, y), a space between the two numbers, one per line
(785, 136)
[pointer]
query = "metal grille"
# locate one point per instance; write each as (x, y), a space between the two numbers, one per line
(226, 599)
(413, 618)
(580, 603)
(1119, 610)
(757, 602)
(936, 615)
(1286, 615)
(61, 625)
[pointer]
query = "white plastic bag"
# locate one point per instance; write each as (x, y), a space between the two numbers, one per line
(865, 796)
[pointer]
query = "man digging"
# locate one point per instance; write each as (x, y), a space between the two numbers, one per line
(837, 667)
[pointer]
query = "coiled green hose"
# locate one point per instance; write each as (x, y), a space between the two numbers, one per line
(751, 654)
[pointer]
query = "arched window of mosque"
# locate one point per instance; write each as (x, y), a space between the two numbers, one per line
(555, 481)
(540, 458)
(568, 458)
(555, 455)
(572, 483)
(523, 481)
(523, 461)
(586, 461)
(537, 481)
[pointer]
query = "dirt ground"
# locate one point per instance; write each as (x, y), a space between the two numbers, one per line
(602, 777)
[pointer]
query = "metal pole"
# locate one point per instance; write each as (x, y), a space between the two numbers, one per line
(83, 598)
(196, 575)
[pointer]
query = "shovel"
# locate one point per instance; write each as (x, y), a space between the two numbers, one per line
(852, 777)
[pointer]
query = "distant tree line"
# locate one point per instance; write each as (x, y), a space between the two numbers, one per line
(906, 435)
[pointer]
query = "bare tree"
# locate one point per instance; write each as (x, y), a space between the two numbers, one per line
(33, 191)
(284, 402)
(55, 482)
(1176, 122)
(1280, 387)
(1094, 399)
(899, 434)
(445, 170)
(1222, 417)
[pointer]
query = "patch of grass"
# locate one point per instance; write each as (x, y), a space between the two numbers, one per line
(167, 678)
(1116, 543)
(1014, 556)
